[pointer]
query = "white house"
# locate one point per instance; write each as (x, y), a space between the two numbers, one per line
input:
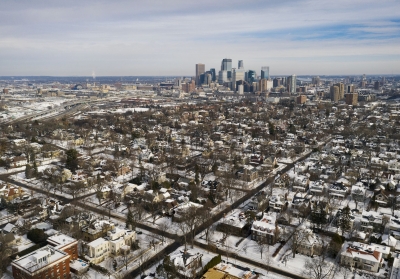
(363, 256)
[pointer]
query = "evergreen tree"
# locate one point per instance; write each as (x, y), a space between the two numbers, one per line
(271, 128)
(28, 171)
(129, 219)
(318, 216)
(71, 162)
(345, 220)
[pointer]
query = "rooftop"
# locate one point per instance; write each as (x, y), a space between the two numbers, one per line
(39, 258)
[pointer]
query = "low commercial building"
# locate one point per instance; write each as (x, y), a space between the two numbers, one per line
(64, 243)
(46, 262)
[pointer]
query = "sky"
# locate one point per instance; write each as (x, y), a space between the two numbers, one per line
(168, 37)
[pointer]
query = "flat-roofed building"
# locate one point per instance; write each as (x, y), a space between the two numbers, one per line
(46, 262)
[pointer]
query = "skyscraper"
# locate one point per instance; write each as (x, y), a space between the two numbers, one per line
(251, 76)
(200, 69)
(265, 72)
(240, 64)
(226, 65)
(222, 77)
(335, 93)
(214, 76)
(237, 75)
(291, 84)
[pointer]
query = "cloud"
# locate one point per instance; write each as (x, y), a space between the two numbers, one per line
(157, 37)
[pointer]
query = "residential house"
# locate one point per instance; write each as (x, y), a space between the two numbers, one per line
(282, 181)
(317, 187)
(363, 256)
(311, 244)
(266, 230)
(259, 201)
(234, 223)
(381, 199)
(337, 190)
(188, 263)
(270, 162)
(97, 250)
(97, 229)
(358, 192)
(247, 173)
(301, 183)
(277, 203)
(372, 221)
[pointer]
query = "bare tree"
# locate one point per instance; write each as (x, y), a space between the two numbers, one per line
(5, 253)
(164, 226)
(125, 256)
(268, 258)
(261, 246)
(297, 238)
(318, 268)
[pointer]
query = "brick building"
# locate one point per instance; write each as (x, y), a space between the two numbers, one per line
(65, 243)
(46, 262)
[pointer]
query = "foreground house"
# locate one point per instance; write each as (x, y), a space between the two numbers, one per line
(364, 256)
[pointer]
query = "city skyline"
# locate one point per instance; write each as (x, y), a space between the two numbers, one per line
(155, 38)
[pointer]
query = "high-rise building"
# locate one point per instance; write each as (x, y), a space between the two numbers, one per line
(277, 82)
(240, 88)
(214, 76)
(291, 84)
(350, 88)
(265, 85)
(316, 81)
(352, 99)
(200, 69)
(237, 75)
(240, 64)
(188, 86)
(341, 90)
(251, 76)
(284, 81)
(226, 65)
(223, 77)
(376, 85)
(301, 99)
(265, 72)
(335, 93)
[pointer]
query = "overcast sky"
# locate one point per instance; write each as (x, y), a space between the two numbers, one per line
(168, 37)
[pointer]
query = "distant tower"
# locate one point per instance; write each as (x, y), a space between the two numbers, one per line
(335, 93)
(226, 65)
(240, 64)
(200, 69)
(251, 76)
(213, 75)
(291, 84)
(265, 72)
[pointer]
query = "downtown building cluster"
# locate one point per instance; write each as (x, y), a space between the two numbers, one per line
(240, 80)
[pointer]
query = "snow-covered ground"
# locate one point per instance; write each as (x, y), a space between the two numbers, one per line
(207, 256)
